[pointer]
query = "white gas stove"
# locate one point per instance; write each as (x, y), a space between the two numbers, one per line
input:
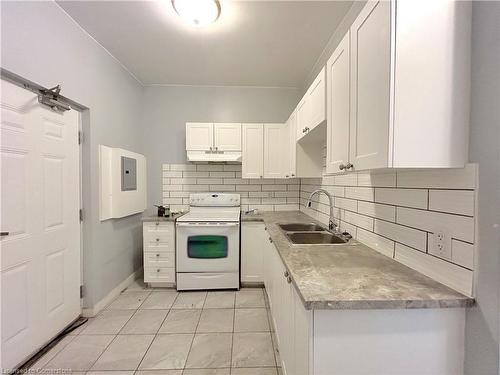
(208, 243)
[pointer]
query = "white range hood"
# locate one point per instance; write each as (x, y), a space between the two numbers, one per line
(218, 156)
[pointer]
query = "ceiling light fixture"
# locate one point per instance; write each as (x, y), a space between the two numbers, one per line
(197, 12)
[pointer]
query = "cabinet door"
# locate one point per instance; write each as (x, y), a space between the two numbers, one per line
(199, 136)
(302, 122)
(337, 130)
(292, 150)
(370, 86)
(273, 151)
(252, 151)
(227, 137)
(316, 100)
(302, 339)
(253, 237)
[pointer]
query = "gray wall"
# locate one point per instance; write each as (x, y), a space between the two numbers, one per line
(41, 43)
(482, 324)
(168, 108)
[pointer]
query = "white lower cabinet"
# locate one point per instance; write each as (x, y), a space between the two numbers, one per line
(339, 342)
(253, 237)
(159, 253)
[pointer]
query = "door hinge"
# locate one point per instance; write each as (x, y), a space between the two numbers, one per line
(82, 291)
(81, 214)
(80, 137)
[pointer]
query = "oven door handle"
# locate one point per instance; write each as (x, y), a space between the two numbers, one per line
(214, 225)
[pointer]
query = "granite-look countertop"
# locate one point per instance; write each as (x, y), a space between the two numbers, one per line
(153, 218)
(353, 276)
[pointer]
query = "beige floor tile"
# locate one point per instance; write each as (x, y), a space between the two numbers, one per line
(255, 371)
(124, 353)
(216, 320)
(51, 353)
(253, 350)
(129, 300)
(81, 353)
(250, 298)
(158, 372)
(190, 300)
(167, 352)
(220, 300)
(144, 322)
(181, 321)
(108, 322)
(207, 371)
(251, 320)
(160, 300)
(210, 350)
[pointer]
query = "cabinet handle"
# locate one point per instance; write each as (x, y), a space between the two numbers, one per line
(158, 270)
(265, 228)
(216, 148)
(293, 175)
(210, 148)
(157, 223)
(304, 130)
(270, 240)
(286, 274)
(349, 166)
(307, 129)
(157, 240)
(341, 167)
(260, 176)
(157, 255)
(288, 279)
(287, 176)
(3, 234)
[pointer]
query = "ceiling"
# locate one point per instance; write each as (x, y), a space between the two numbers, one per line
(254, 43)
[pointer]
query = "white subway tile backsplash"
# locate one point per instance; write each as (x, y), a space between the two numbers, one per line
(445, 272)
(379, 243)
(261, 194)
(346, 204)
(452, 201)
(182, 181)
(172, 174)
(210, 181)
(195, 174)
(222, 188)
(460, 227)
(210, 167)
(195, 188)
(416, 198)
(360, 193)
(376, 210)
(362, 221)
(222, 174)
(232, 167)
(462, 253)
(377, 179)
(459, 178)
(408, 236)
(248, 188)
(235, 181)
(350, 179)
(182, 167)
(275, 187)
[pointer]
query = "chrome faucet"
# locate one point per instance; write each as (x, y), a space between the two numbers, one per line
(332, 226)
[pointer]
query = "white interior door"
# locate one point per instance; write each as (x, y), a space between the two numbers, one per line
(337, 139)
(40, 269)
(227, 137)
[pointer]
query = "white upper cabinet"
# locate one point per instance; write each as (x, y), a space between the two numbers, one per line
(311, 109)
(274, 147)
(253, 151)
(408, 93)
(338, 67)
(316, 100)
(370, 86)
(207, 136)
(227, 137)
(199, 136)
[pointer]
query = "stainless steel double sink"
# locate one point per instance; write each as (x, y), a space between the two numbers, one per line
(311, 234)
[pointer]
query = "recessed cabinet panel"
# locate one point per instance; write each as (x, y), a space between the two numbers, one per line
(227, 137)
(370, 86)
(302, 118)
(199, 136)
(338, 108)
(273, 150)
(253, 151)
(316, 99)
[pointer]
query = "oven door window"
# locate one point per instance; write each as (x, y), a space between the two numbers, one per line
(207, 247)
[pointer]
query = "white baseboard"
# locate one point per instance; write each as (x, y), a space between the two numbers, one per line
(93, 311)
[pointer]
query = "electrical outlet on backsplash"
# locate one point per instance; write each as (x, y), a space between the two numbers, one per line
(395, 212)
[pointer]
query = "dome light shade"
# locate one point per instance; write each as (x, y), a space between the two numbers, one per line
(197, 12)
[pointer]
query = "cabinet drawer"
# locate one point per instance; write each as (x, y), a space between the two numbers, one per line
(159, 274)
(159, 259)
(158, 226)
(152, 238)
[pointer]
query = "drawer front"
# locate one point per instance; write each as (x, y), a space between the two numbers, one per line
(157, 226)
(158, 238)
(159, 274)
(159, 259)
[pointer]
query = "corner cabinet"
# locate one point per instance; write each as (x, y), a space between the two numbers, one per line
(263, 149)
(406, 92)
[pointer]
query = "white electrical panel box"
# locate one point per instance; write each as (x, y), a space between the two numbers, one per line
(122, 183)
